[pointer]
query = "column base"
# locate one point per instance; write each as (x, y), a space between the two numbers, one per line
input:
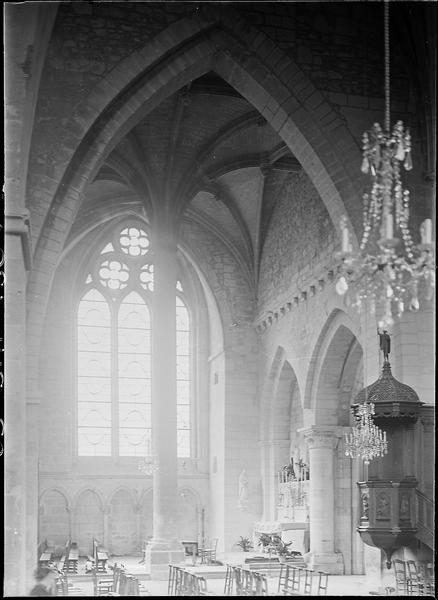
(159, 555)
(329, 562)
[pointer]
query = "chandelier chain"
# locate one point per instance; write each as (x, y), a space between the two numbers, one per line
(387, 67)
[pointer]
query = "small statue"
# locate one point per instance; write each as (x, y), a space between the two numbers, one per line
(385, 344)
(365, 506)
(242, 502)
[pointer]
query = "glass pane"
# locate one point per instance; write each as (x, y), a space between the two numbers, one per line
(180, 289)
(135, 390)
(94, 414)
(182, 342)
(93, 310)
(183, 443)
(108, 248)
(135, 415)
(134, 442)
(94, 364)
(138, 366)
(183, 417)
(134, 241)
(134, 313)
(94, 389)
(94, 441)
(94, 338)
(134, 340)
(114, 274)
(182, 367)
(183, 392)
(182, 318)
(147, 277)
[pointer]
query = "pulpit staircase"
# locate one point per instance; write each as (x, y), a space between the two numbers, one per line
(425, 519)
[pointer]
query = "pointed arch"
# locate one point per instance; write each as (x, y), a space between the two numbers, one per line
(184, 51)
(333, 370)
(87, 520)
(54, 517)
(122, 522)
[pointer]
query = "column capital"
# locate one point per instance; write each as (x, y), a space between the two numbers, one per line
(427, 417)
(319, 436)
(18, 223)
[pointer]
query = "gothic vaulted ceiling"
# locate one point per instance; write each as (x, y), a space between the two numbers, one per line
(210, 154)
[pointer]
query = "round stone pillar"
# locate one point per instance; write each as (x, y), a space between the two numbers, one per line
(164, 547)
(322, 556)
(17, 569)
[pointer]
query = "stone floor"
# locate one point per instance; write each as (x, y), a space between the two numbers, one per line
(338, 585)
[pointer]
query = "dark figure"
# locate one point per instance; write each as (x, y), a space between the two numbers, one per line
(45, 582)
(385, 344)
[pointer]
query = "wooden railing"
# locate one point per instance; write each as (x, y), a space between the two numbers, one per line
(425, 519)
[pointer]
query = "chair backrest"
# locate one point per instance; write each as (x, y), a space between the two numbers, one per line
(228, 584)
(400, 574)
(308, 577)
(261, 584)
(247, 583)
(322, 583)
(238, 579)
(284, 574)
(171, 580)
(412, 570)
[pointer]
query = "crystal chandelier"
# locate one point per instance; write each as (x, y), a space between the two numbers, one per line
(366, 441)
(386, 270)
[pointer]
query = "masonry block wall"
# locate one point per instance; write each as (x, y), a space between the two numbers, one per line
(316, 76)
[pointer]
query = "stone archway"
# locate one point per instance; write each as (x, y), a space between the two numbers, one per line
(184, 51)
(122, 523)
(332, 379)
(280, 401)
(87, 521)
(54, 518)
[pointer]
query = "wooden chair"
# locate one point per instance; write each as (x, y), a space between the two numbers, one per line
(171, 582)
(247, 583)
(400, 576)
(322, 584)
(228, 584)
(283, 576)
(308, 578)
(261, 584)
(419, 581)
(208, 554)
(293, 581)
(238, 579)
(104, 585)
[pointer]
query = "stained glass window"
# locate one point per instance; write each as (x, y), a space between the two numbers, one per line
(94, 375)
(114, 352)
(182, 378)
(134, 376)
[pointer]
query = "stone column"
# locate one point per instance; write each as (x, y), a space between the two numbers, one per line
(17, 253)
(427, 450)
(107, 537)
(164, 548)
(322, 556)
(266, 490)
(33, 401)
